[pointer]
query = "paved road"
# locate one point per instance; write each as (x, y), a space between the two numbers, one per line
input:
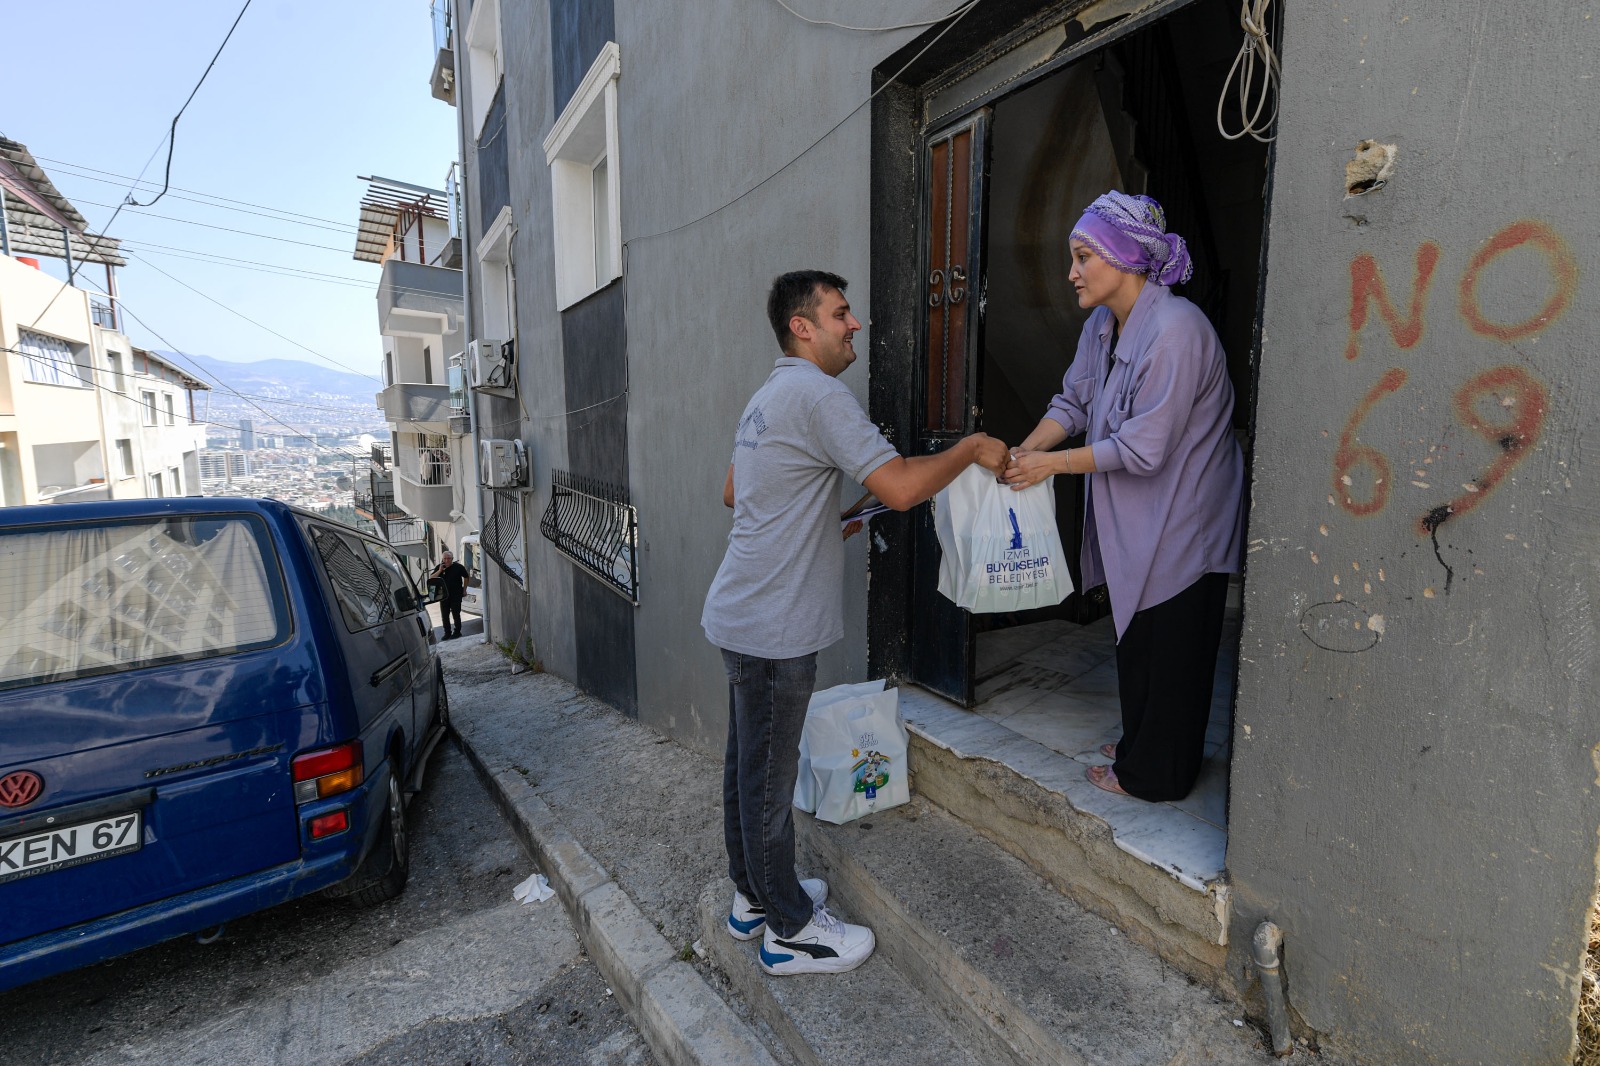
(454, 971)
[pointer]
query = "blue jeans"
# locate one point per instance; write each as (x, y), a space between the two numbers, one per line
(767, 701)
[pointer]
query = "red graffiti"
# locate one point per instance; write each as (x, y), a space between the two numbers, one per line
(1520, 401)
(1558, 258)
(1350, 456)
(1367, 285)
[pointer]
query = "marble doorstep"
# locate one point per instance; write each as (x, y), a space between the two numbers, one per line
(1061, 694)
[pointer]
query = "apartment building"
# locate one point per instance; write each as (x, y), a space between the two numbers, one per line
(420, 491)
(84, 414)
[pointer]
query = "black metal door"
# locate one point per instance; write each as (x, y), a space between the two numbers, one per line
(955, 168)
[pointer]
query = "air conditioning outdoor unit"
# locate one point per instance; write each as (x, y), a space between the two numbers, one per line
(491, 364)
(503, 464)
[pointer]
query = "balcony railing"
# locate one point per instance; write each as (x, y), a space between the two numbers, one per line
(103, 314)
(414, 403)
(433, 466)
(404, 532)
(444, 62)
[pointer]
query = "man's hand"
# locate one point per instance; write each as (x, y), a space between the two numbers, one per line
(852, 528)
(991, 453)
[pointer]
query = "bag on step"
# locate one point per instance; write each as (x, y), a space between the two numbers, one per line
(852, 753)
(1001, 550)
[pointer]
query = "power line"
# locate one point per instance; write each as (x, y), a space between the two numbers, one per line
(225, 229)
(247, 318)
(280, 269)
(872, 29)
(172, 133)
(176, 189)
(266, 213)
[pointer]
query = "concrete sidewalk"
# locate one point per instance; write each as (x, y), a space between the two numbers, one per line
(626, 825)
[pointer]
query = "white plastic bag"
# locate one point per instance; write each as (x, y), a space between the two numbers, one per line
(852, 753)
(1001, 548)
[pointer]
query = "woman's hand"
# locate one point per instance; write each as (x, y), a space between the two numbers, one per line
(1028, 468)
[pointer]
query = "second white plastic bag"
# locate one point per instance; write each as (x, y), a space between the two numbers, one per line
(852, 753)
(1001, 550)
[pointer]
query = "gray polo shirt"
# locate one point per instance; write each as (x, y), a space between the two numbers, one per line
(780, 590)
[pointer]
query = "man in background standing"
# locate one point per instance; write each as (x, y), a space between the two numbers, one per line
(452, 577)
(778, 599)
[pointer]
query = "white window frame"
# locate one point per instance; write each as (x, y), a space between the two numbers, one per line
(484, 64)
(147, 400)
(584, 137)
(171, 409)
(125, 457)
(498, 306)
(48, 360)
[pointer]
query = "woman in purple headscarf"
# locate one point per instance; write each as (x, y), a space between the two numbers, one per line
(1163, 518)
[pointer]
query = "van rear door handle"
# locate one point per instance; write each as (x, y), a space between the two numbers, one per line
(422, 627)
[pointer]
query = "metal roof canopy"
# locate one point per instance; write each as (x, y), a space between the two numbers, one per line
(381, 208)
(186, 379)
(36, 213)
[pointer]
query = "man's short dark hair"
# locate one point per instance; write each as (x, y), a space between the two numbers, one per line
(797, 293)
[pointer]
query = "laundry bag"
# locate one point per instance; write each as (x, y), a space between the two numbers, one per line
(852, 753)
(1001, 550)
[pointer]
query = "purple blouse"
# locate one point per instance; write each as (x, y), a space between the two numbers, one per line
(1165, 506)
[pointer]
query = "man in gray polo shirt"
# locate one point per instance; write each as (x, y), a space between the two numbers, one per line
(778, 599)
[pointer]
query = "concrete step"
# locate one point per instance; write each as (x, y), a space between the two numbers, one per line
(867, 1017)
(1153, 871)
(1021, 973)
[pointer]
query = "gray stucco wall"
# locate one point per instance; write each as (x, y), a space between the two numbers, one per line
(714, 98)
(1413, 792)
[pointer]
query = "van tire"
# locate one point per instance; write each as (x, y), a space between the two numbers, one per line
(391, 854)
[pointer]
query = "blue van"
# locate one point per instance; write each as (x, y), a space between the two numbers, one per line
(208, 706)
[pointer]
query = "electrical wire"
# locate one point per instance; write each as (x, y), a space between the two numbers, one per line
(247, 318)
(278, 269)
(1256, 59)
(195, 192)
(336, 227)
(875, 29)
(954, 20)
(172, 132)
(228, 229)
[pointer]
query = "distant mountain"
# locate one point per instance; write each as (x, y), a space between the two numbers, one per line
(286, 379)
(285, 395)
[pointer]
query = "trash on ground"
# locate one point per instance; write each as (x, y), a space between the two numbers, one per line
(534, 890)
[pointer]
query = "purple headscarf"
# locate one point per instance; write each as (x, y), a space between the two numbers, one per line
(1129, 232)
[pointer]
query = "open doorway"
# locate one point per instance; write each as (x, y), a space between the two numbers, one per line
(1137, 115)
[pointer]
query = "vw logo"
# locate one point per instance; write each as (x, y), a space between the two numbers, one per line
(20, 788)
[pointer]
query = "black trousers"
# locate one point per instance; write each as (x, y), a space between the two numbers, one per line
(447, 607)
(1166, 664)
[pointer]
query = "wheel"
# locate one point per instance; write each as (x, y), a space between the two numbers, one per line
(391, 855)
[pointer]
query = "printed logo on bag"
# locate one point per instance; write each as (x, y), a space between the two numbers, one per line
(871, 773)
(1016, 530)
(20, 788)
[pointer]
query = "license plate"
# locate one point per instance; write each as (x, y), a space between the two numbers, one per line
(73, 845)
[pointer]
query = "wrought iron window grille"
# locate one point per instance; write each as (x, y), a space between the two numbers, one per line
(592, 523)
(502, 534)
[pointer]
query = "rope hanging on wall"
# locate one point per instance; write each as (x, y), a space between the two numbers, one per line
(1256, 61)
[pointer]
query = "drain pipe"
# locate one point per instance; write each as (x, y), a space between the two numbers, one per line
(1265, 946)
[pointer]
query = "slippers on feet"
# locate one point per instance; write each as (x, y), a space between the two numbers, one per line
(1109, 750)
(1104, 777)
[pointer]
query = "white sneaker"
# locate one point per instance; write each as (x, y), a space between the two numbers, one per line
(746, 917)
(826, 945)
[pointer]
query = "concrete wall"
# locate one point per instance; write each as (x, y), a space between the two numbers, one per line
(1413, 790)
(716, 96)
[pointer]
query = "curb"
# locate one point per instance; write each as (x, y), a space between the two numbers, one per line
(682, 1019)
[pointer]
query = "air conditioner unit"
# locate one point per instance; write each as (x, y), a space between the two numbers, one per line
(503, 464)
(490, 364)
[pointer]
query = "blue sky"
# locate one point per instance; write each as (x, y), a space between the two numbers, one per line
(307, 96)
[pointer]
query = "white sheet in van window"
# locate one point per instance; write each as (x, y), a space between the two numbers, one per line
(85, 599)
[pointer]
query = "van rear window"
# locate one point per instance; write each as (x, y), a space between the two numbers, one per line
(86, 599)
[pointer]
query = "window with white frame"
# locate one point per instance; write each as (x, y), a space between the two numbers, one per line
(175, 481)
(586, 184)
(147, 402)
(51, 361)
(484, 65)
(172, 411)
(118, 382)
(125, 455)
(499, 290)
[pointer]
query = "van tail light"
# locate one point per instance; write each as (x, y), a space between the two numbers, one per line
(327, 772)
(329, 824)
